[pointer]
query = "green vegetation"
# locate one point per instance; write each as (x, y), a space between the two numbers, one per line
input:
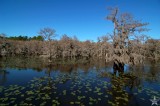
(47, 90)
(25, 38)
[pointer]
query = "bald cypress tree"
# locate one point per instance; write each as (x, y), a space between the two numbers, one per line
(125, 40)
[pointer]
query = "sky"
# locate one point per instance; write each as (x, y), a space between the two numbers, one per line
(82, 18)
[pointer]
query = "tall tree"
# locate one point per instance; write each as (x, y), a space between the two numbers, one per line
(124, 36)
(48, 34)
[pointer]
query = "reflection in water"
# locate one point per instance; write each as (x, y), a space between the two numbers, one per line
(149, 71)
(153, 73)
(128, 84)
(3, 76)
(79, 82)
(3, 72)
(122, 87)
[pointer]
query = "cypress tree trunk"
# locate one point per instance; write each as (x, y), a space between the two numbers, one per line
(118, 67)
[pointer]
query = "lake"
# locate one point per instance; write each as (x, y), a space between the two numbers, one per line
(35, 82)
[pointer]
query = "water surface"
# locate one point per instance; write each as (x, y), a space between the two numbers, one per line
(33, 82)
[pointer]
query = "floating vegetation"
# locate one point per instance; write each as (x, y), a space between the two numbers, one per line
(74, 89)
(72, 103)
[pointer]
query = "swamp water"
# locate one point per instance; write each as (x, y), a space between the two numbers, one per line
(34, 82)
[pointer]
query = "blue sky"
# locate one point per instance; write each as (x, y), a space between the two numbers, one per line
(83, 18)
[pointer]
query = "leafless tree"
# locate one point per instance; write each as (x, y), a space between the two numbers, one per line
(48, 34)
(125, 33)
(102, 46)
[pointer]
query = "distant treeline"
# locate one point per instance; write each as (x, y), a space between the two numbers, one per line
(66, 47)
(71, 47)
(25, 38)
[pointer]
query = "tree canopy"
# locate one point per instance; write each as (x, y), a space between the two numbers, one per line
(126, 34)
(25, 38)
